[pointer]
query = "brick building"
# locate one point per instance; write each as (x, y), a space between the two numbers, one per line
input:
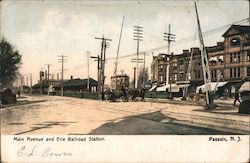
(228, 61)
(118, 81)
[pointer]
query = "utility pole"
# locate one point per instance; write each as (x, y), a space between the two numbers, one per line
(27, 80)
(98, 75)
(30, 82)
(134, 76)
(137, 61)
(169, 37)
(138, 37)
(144, 69)
(62, 59)
(205, 65)
(88, 52)
(104, 46)
(48, 71)
(117, 54)
(249, 12)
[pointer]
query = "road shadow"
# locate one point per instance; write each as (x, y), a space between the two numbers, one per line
(44, 125)
(23, 102)
(224, 110)
(16, 123)
(155, 123)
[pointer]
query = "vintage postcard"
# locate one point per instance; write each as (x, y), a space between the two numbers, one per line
(125, 81)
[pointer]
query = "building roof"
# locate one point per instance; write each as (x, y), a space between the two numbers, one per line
(75, 82)
(237, 29)
(71, 82)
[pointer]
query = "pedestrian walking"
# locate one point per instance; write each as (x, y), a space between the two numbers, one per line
(236, 97)
(142, 94)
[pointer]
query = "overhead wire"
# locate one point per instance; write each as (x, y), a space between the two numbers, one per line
(187, 39)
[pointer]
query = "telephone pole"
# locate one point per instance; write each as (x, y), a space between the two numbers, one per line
(98, 75)
(48, 71)
(138, 37)
(88, 52)
(27, 80)
(104, 46)
(144, 69)
(31, 83)
(62, 59)
(117, 54)
(134, 76)
(169, 37)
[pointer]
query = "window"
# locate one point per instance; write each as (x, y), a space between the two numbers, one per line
(189, 75)
(235, 75)
(235, 42)
(181, 75)
(214, 73)
(161, 78)
(175, 77)
(235, 57)
(238, 72)
(160, 68)
(197, 74)
(231, 72)
(248, 55)
(248, 71)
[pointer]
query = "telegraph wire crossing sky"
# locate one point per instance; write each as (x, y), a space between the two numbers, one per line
(41, 30)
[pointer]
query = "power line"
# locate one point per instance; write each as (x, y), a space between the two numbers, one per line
(187, 39)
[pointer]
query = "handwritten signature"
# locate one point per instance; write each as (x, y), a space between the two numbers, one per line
(44, 153)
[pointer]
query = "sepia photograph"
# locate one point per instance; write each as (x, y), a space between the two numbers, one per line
(125, 80)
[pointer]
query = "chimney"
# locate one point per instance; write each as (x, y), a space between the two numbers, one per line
(185, 51)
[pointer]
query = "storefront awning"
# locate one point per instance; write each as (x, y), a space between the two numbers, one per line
(245, 86)
(204, 88)
(151, 89)
(165, 87)
(174, 87)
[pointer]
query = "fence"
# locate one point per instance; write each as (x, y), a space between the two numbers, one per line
(88, 95)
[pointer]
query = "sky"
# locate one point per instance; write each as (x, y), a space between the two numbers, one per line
(42, 30)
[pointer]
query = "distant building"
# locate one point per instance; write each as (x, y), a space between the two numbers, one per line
(78, 85)
(159, 68)
(118, 81)
(230, 59)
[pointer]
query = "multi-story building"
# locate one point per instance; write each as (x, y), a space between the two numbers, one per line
(228, 61)
(119, 81)
(231, 57)
(160, 68)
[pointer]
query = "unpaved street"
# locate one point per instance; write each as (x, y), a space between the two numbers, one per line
(63, 115)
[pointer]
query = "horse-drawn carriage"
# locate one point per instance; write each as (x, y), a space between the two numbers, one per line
(125, 95)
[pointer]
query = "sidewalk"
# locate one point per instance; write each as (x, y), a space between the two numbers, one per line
(224, 117)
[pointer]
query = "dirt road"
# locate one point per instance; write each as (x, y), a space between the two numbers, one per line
(67, 116)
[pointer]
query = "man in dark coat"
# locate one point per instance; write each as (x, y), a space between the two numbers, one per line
(236, 97)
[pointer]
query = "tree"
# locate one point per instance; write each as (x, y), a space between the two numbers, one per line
(142, 77)
(10, 62)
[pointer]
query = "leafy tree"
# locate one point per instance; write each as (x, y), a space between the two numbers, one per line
(143, 77)
(10, 62)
